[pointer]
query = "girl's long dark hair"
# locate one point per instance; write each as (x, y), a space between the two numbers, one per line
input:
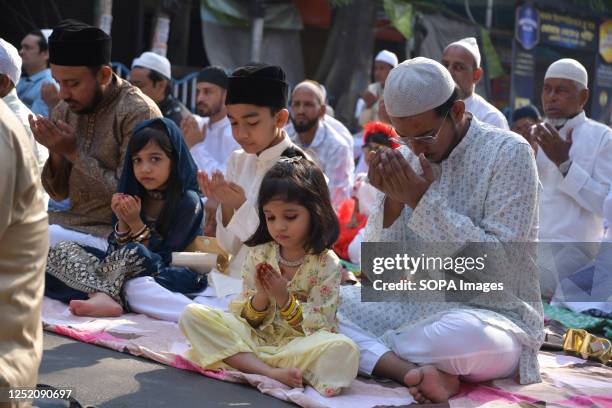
(157, 134)
(296, 179)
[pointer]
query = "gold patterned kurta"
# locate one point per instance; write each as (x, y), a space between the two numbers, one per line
(102, 138)
(328, 360)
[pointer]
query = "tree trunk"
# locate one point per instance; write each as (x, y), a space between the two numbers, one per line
(104, 15)
(178, 42)
(349, 55)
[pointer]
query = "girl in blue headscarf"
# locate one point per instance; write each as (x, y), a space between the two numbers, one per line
(157, 211)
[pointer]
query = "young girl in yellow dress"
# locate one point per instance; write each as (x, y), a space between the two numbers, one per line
(283, 325)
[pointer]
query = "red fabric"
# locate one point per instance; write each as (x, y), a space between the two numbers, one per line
(380, 127)
(345, 214)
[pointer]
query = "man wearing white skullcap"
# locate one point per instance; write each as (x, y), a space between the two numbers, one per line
(329, 118)
(317, 136)
(462, 59)
(367, 106)
(151, 73)
(574, 162)
(10, 71)
(456, 181)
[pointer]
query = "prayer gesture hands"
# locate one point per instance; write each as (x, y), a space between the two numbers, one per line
(217, 188)
(191, 132)
(127, 209)
(58, 137)
(272, 283)
(369, 98)
(390, 173)
(553, 145)
(50, 95)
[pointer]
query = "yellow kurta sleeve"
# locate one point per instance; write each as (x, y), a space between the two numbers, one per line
(254, 257)
(319, 311)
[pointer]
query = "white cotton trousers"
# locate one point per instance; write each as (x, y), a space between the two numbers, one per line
(58, 234)
(457, 343)
(145, 295)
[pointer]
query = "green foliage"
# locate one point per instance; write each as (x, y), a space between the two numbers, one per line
(401, 15)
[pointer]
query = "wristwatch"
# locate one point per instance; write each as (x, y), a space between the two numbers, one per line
(565, 166)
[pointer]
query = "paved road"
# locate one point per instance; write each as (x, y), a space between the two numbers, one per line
(106, 378)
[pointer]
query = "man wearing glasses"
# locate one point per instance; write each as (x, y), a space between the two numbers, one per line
(456, 181)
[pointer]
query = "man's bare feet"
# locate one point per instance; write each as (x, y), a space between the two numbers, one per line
(98, 305)
(291, 377)
(427, 384)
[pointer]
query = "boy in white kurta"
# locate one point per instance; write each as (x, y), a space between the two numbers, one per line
(256, 102)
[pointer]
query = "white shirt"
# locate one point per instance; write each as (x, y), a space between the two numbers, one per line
(246, 170)
(335, 124)
(571, 207)
(485, 112)
(333, 154)
(214, 152)
(340, 129)
(22, 112)
(608, 216)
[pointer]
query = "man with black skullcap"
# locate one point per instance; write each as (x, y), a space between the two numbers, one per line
(212, 146)
(87, 133)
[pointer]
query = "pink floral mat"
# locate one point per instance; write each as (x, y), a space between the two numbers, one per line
(567, 381)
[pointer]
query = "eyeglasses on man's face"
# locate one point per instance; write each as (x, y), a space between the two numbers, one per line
(428, 138)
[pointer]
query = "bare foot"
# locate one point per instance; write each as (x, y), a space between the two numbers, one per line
(427, 384)
(291, 377)
(98, 305)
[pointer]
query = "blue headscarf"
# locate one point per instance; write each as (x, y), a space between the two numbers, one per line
(188, 213)
(187, 169)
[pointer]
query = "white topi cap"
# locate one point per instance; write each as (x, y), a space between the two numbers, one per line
(567, 68)
(10, 61)
(388, 57)
(154, 62)
(417, 85)
(470, 45)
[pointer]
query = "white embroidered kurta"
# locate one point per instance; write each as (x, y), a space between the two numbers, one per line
(485, 112)
(214, 152)
(246, 170)
(335, 157)
(571, 207)
(485, 191)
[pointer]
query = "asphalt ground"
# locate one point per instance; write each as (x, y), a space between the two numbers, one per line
(102, 377)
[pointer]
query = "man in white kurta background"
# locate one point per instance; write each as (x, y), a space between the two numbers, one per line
(10, 72)
(461, 181)
(575, 167)
(317, 137)
(211, 146)
(462, 59)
